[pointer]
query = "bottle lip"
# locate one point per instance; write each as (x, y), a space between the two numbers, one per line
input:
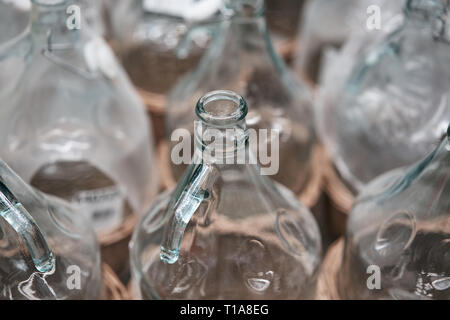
(232, 109)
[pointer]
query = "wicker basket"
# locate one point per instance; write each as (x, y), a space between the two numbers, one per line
(113, 289)
(114, 247)
(327, 286)
(155, 104)
(340, 199)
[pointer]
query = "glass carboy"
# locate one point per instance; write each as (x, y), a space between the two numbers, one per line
(400, 229)
(47, 251)
(241, 58)
(147, 34)
(71, 124)
(226, 231)
(328, 24)
(394, 104)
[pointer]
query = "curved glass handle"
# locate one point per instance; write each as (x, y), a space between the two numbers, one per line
(23, 223)
(183, 206)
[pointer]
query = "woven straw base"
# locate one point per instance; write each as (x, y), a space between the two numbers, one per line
(341, 200)
(112, 289)
(114, 247)
(327, 286)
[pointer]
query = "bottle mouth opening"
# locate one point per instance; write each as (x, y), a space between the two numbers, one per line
(221, 108)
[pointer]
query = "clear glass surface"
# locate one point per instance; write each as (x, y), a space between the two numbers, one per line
(393, 106)
(241, 58)
(401, 224)
(147, 35)
(71, 123)
(226, 231)
(47, 249)
(328, 24)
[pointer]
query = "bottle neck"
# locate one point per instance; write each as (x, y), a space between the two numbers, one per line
(221, 134)
(221, 145)
(250, 32)
(51, 20)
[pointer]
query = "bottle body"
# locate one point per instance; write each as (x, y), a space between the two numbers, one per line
(243, 253)
(226, 231)
(147, 41)
(399, 229)
(73, 106)
(385, 106)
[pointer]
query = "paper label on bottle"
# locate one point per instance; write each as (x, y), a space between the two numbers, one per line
(186, 9)
(105, 207)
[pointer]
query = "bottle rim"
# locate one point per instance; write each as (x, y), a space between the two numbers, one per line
(221, 108)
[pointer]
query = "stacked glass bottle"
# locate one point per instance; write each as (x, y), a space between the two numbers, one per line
(241, 58)
(327, 25)
(71, 123)
(394, 104)
(400, 229)
(147, 34)
(226, 231)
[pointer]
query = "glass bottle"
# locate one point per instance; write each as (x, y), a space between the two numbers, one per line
(47, 251)
(71, 123)
(328, 24)
(147, 34)
(401, 225)
(394, 104)
(226, 231)
(242, 58)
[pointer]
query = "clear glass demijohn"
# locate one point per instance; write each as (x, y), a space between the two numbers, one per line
(328, 24)
(147, 34)
(71, 123)
(394, 105)
(400, 224)
(226, 231)
(241, 58)
(47, 251)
